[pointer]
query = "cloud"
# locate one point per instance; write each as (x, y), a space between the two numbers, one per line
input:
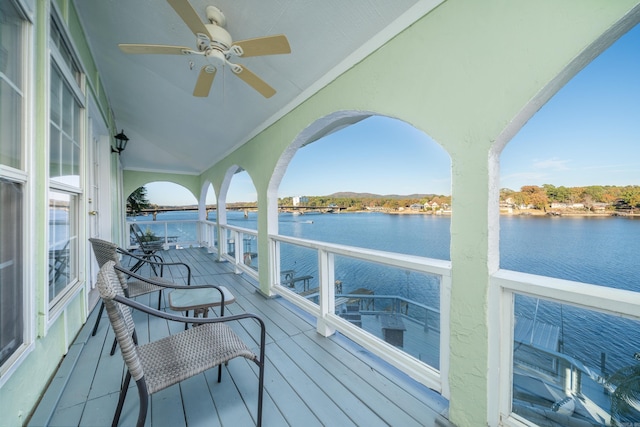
(551, 164)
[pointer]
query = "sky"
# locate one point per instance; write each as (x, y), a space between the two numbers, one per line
(587, 134)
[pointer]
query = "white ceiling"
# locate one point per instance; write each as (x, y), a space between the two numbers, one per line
(151, 95)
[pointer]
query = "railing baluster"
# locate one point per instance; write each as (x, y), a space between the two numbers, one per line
(326, 279)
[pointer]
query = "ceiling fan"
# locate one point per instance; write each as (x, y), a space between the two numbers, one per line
(216, 45)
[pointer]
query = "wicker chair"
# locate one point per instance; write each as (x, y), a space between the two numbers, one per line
(165, 362)
(148, 245)
(107, 251)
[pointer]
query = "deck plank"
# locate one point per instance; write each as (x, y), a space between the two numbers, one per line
(315, 398)
(199, 407)
(322, 374)
(310, 380)
(377, 380)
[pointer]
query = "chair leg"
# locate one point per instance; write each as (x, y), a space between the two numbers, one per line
(261, 365)
(123, 394)
(159, 299)
(144, 401)
(153, 267)
(260, 392)
(113, 347)
(95, 327)
(136, 266)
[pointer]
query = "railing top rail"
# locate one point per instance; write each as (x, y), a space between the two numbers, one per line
(593, 297)
(240, 229)
(410, 262)
(395, 297)
(160, 221)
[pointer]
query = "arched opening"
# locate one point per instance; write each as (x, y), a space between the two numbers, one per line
(238, 218)
(242, 201)
(208, 217)
(369, 183)
(208, 203)
(163, 211)
(569, 197)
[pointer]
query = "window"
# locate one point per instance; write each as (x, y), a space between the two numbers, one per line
(10, 86)
(63, 241)
(12, 182)
(64, 133)
(11, 291)
(65, 150)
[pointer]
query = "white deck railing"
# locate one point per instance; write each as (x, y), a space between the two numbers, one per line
(180, 234)
(329, 322)
(604, 305)
(238, 246)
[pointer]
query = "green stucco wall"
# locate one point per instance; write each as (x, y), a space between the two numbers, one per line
(134, 179)
(22, 391)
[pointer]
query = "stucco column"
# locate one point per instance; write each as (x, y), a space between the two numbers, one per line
(469, 363)
(267, 223)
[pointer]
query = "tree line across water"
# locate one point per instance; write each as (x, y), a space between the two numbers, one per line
(614, 197)
(537, 197)
(364, 201)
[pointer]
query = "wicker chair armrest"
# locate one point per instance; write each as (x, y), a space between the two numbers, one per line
(163, 283)
(199, 320)
(161, 264)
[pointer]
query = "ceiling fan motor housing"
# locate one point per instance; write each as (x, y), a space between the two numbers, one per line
(216, 57)
(220, 38)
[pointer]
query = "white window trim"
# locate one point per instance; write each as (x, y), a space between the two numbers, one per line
(22, 176)
(54, 308)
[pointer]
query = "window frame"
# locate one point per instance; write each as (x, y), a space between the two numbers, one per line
(74, 79)
(22, 177)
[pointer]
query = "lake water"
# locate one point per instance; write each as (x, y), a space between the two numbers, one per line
(602, 251)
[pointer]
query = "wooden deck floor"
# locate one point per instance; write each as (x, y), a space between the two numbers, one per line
(310, 380)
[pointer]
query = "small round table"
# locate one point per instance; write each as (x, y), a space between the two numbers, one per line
(199, 300)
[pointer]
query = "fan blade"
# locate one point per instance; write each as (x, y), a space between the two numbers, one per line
(205, 80)
(154, 48)
(189, 16)
(256, 82)
(269, 45)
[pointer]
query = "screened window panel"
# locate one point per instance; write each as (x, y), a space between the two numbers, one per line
(10, 43)
(55, 112)
(63, 242)
(55, 153)
(11, 129)
(64, 134)
(11, 264)
(10, 86)
(67, 111)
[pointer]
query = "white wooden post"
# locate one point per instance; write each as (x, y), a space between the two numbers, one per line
(326, 278)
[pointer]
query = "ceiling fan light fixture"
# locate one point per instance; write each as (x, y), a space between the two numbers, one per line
(216, 56)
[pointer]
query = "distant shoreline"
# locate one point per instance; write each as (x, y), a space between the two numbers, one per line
(533, 212)
(556, 213)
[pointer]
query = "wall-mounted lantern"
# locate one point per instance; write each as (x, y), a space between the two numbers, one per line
(121, 142)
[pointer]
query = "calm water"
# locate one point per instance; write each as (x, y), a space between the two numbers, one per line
(602, 251)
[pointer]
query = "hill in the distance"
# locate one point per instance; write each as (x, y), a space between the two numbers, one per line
(351, 195)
